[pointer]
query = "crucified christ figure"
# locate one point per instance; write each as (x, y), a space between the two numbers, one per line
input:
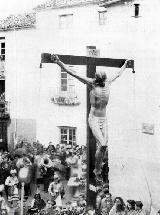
(99, 97)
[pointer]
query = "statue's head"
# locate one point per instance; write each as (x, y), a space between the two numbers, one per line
(100, 78)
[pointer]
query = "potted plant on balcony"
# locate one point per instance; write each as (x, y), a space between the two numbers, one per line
(65, 100)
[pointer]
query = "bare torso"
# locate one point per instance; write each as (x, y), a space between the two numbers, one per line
(99, 97)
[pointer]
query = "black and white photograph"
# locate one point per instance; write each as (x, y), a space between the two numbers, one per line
(79, 107)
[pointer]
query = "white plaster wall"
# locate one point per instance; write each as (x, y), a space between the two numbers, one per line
(53, 115)
(134, 156)
(29, 89)
(22, 73)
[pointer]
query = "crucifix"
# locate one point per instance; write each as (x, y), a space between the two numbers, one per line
(91, 63)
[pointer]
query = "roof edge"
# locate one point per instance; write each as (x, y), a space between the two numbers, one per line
(55, 4)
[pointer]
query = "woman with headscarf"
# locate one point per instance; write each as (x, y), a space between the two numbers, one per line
(12, 185)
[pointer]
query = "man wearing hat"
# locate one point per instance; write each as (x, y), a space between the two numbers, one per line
(55, 190)
(47, 170)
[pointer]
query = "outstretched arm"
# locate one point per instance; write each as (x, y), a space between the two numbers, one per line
(119, 72)
(71, 72)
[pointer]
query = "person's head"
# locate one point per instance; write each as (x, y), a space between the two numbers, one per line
(158, 212)
(13, 172)
(56, 178)
(57, 210)
(106, 185)
(74, 152)
(99, 190)
(5, 159)
(78, 151)
(106, 191)
(101, 194)
(130, 204)
(37, 196)
(49, 204)
(120, 206)
(138, 205)
(90, 210)
(118, 200)
(26, 160)
(100, 78)
(108, 197)
(57, 146)
(46, 161)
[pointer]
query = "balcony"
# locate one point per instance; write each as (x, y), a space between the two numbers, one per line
(2, 70)
(65, 98)
(4, 108)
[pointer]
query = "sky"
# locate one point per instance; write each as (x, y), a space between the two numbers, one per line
(8, 7)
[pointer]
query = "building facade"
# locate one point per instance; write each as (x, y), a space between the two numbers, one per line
(48, 105)
(4, 105)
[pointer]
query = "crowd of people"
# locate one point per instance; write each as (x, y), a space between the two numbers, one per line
(106, 205)
(49, 170)
(55, 183)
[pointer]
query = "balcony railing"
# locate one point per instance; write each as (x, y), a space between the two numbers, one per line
(65, 98)
(4, 107)
(2, 69)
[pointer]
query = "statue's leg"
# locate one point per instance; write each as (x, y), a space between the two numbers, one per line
(101, 156)
(105, 168)
(101, 145)
(105, 136)
(99, 159)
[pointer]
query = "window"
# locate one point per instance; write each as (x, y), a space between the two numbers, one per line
(136, 12)
(63, 80)
(2, 58)
(66, 94)
(102, 17)
(67, 84)
(68, 135)
(65, 21)
(2, 47)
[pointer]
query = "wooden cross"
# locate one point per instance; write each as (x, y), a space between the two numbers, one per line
(91, 63)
